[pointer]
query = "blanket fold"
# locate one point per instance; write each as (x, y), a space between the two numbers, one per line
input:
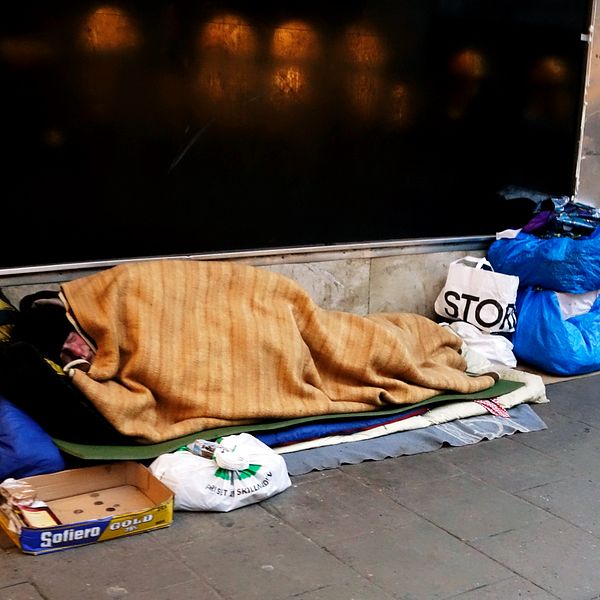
(187, 345)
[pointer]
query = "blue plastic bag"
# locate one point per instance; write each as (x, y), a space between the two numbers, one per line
(561, 264)
(544, 339)
(25, 448)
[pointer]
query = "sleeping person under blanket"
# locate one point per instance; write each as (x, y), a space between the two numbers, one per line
(167, 348)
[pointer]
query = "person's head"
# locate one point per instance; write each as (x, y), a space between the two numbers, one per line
(42, 322)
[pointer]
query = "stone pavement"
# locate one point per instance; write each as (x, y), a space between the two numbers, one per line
(517, 517)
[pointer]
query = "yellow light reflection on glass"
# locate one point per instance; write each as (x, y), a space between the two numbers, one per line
(295, 40)
(467, 68)
(550, 70)
(550, 98)
(364, 47)
(364, 90)
(230, 34)
(226, 82)
(468, 64)
(290, 84)
(365, 56)
(400, 104)
(109, 28)
(227, 72)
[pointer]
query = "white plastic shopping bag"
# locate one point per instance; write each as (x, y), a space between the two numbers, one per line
(235, 471)
(477, 294)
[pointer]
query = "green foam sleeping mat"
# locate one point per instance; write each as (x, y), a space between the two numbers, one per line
(139, 451)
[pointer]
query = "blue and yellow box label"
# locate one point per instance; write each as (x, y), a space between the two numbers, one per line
(60, 537)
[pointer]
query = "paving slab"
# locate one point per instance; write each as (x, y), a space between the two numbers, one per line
(466, 507)
(414, 469)
(113, 568)
(568, 440)
(268, 562)
(352, 590)
(10, 574)
(575, 398)
(575, 499)
(419, 562)
(327, 510)
(192, 589)
(508, 464)
(22, 591)
(556, 556)
(514, 588)
(195, 527)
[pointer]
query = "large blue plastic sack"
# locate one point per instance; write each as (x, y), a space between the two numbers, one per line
(25, 448)
(562, 264)
(543, 339)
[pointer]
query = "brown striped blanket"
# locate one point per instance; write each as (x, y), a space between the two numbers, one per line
(185, 345)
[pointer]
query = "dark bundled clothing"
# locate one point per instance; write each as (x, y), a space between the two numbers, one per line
(32, 379)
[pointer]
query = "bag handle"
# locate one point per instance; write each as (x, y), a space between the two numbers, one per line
(477, 262)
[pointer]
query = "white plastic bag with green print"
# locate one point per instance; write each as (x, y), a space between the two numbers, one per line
(221, 476)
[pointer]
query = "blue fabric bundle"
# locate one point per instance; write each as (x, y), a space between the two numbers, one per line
(560, 346)
(562, 264)
(25, 448)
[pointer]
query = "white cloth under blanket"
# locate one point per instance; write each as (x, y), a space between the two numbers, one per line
(460, 432)
(533, 392)
(491, 346)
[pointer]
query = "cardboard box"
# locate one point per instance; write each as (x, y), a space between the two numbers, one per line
(95, 504)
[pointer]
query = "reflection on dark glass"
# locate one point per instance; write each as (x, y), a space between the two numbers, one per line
(174, 127)
(109, 29)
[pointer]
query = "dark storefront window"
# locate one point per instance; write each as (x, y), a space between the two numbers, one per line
(155, 128)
